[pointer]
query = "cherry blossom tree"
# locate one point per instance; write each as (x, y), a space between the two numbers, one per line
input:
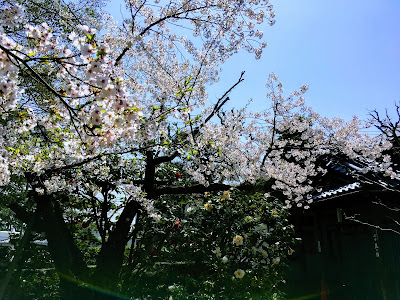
(384, 201)
(93, 115)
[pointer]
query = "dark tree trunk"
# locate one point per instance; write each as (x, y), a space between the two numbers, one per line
(18, 259)
(68, 260)
(111, 256)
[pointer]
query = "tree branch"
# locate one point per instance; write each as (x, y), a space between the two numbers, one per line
(220, 101)
(166, 158)
(353, 218)
(174, 190)
(142, 33)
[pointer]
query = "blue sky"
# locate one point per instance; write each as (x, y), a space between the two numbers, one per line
(348, 52)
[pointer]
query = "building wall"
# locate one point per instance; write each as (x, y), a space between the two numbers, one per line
(345, 260)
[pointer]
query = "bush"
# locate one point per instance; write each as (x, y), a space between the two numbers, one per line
(223, 245)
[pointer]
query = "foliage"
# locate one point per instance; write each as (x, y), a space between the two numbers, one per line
(35, 276)
(191, 252)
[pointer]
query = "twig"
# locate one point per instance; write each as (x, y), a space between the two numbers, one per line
(353, 218)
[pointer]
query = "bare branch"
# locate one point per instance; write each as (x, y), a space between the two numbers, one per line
(223, 99)
(384, 205)
(353, 218)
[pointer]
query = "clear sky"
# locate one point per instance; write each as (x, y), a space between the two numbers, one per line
(347, 51)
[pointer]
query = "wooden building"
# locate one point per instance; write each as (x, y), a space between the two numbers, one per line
(350, 245)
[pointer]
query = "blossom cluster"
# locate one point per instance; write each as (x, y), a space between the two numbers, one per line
(132, 91)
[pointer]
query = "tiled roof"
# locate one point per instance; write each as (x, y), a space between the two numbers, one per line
(339, 191)
(355, 173)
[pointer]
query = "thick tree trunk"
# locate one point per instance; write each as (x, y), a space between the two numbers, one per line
(17, 260)
(111, 256)
(68, 260)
